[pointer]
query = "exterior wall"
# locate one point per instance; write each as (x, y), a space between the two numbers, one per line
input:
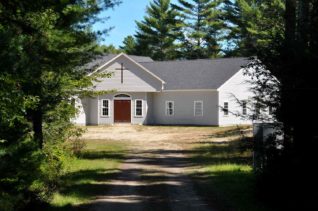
(91, 118)
(139, 84)
(135, 78)
(235, 88)
(150, 116)
(80, 118)
(154, 106)
(93, 111)
(184, 108)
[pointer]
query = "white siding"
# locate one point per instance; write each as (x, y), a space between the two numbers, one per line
(149, 108)
(235, 88)
(80, 118)
(183, 108)
(135, 79)
(93, 113)
(102, 120)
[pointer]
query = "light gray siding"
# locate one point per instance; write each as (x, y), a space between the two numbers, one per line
(236, 88)
(150, 104)
(91, 116)
(135, 79)
(184, 108)
(178, 86)
(83, 110)
(94, 117)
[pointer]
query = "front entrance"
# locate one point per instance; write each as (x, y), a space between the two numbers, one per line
(122, 111)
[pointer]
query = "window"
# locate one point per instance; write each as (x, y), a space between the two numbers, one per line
(226, 108)
(244, 107)
(169, 108)
(198, 108)
(122, 96)
(105, 108)
(138, 107)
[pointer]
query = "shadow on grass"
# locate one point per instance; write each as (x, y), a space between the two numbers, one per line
(101, 155)
(234, 131)
(230, 152)
(225, 179)
(83, 183)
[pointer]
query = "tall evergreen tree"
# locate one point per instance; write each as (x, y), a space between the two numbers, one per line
(290, 59)
(157, 33)
(43, 45)
(107, 49)
(251, 24)
(202, 27)
(129, 45)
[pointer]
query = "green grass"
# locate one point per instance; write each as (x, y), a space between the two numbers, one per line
(87, 175)
(225, 176)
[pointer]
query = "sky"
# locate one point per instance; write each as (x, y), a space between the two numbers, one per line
(122, 18)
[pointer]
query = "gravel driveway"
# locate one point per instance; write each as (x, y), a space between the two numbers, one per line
(153, 177)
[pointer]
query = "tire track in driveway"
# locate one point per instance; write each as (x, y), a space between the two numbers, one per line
(153, 177)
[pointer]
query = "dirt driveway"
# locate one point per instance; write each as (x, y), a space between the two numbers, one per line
(153, 177)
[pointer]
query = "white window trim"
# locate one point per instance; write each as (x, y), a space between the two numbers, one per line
(167, 102)
(194, 103)
(142, 108)
(102, 106)
(122, 98)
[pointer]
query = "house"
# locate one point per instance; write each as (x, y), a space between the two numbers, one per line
(184, 92)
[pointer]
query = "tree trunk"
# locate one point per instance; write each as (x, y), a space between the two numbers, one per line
(303, 23)
(290, 21)
(37, 121)
(314, 29)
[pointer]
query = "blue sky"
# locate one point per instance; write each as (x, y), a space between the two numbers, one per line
(122, 18)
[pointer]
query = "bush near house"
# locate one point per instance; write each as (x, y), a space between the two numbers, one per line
(86, 176)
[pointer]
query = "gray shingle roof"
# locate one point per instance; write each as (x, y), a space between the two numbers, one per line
(196, 74)
(186, 74)
(102, 59)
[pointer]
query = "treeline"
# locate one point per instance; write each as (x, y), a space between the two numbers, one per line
(285, 79)
(46, 44)
(283, 37)
(198, 29)
(44, 48)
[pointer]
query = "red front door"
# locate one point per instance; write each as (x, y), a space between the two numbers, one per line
(122, 111)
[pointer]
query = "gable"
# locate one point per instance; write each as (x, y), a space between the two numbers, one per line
(135, 77)
(237, 87)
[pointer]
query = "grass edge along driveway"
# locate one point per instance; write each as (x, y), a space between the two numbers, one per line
(223, 174)
(88, 174)
(222, 164)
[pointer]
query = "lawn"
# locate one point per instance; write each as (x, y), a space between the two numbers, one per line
(87, 175)
(225, 175)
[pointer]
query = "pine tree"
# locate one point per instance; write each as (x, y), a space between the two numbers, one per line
(129, 45)
(157, 33)
(107, 49)
(290, 58)
(44, 47)
(251, 24)
(202, 27)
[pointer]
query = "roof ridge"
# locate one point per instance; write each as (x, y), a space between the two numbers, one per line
(187, 60)
(116, 54)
